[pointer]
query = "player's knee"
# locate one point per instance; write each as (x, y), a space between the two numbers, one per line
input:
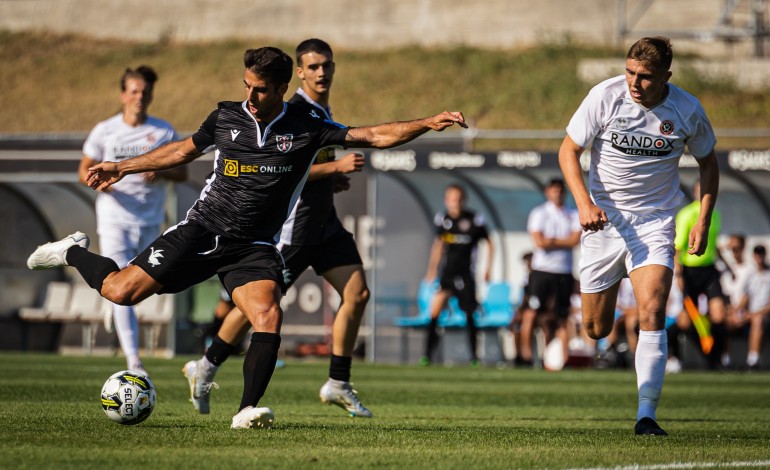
(362, 297)
(597, 330)
(359, 298)
(118, 293)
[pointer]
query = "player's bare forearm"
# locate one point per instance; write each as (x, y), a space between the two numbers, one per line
(348, 164)
(435, 256)
(709, 183)
(490, 259)
(173, 154)
(591, 216)
(393, 134)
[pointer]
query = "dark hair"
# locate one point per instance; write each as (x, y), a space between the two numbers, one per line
(740, 237)
(319, 46)
(270, 63)
(760, 250)
(556, 182)
(655, 52)
(143, 72)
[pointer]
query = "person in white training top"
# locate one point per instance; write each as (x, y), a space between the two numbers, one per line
(637, 126)
(555, 231)
(130, 213)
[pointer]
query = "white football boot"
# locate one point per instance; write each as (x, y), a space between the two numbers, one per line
(253, 417)
(342, 394)
(199, 390)
(52, 255)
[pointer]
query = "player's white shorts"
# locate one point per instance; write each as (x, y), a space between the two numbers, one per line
(628, 242)
(123, 243)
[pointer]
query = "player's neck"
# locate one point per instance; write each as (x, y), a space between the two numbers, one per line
(134, 119)
(322, 99)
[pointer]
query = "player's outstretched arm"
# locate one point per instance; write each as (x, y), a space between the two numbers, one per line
(173, 154)
(396, 133)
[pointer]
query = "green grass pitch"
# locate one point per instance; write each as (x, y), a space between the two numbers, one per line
(424, 418)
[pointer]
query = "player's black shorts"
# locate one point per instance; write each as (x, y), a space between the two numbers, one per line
(551, 290)
(334, 251)
(462, 286)
(189, 254)
(701, 280)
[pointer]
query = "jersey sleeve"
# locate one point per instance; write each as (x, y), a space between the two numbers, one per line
(331, 133)
(204, 138)
(535, 221)
(703, 140)
(438, 223)
(481, 227)
(586, 123)
(93, 147)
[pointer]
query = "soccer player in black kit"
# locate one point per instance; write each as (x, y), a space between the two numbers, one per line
(458, 232)
(312, 236)
(264, 149)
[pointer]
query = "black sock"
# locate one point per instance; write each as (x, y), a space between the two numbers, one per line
(472, 338)
(432, 338)
(719, 333)
(673, 341)
(92, 267)
(219, 351)
(339, 368)
(258, 366)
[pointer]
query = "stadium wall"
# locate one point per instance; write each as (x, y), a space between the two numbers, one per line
(378, 24)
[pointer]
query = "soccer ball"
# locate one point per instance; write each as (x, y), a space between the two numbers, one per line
(128, 397)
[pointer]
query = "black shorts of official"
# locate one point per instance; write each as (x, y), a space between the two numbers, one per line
(189, 254)
(462, 286)
(334, 251)
(551, 290)
(702, 280)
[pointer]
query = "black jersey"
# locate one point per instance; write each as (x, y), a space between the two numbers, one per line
(460, 235)
(258, 175)
(314, 216)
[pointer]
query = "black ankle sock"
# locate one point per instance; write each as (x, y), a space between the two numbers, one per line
(339, 368)
(432, 338)
(219, 351)
(92, 267)
(472, 336)
(258, 366)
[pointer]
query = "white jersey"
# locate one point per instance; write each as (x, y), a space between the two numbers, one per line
(733, 286)
(553, 222)
(132, 201)
(757, 288)
(635, 152)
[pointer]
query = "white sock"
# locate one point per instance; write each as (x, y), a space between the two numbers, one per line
(127, 328)
(206, 369)
(651, 352)
(752, 359)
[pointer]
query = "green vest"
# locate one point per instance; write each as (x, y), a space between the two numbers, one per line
(685, 220)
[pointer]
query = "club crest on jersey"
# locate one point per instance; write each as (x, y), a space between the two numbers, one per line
(154, 256)
(666, 127)
(283, 142)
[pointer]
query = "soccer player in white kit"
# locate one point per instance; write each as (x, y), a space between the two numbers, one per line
(129, 214)
(637, 126)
